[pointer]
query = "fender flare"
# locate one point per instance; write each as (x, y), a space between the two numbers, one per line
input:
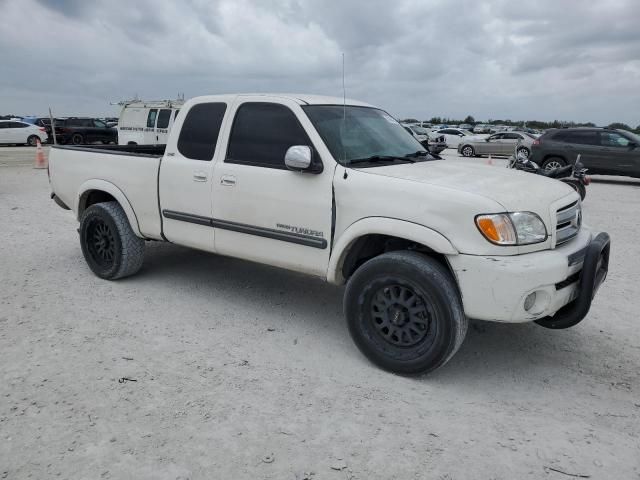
(115, 192)
(383, 226)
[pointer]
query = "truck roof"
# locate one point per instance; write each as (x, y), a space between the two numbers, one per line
(302, 99)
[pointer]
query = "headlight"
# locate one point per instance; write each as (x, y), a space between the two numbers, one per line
(518, 228)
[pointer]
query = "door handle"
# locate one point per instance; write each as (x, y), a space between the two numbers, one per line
(228, 180)
(199, 177)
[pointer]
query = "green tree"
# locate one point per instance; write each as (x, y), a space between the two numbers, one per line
(469, 119)
(620, 126)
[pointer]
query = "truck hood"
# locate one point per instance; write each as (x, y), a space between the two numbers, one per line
(514, 190)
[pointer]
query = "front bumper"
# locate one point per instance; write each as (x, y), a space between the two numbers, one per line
(564, 281)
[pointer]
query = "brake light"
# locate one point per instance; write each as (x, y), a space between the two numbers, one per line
(536, 142)
(42, 129)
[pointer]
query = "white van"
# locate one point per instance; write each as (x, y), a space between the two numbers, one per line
(147, 123)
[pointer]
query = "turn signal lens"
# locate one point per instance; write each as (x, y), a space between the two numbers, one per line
(497, 228)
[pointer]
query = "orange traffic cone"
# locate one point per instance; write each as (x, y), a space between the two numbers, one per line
(490, 160)
(41, 161)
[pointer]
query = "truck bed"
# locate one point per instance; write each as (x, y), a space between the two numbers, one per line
(128, 171)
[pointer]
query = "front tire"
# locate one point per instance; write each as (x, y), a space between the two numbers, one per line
(404, 312)
(467, 151)
(524, 152)
(108, 243)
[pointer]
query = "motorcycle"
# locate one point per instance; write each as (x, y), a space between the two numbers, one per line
(573, 175)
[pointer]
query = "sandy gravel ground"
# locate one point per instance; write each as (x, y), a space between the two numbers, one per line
(248, 372)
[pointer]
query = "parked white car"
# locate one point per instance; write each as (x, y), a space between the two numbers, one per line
(147, 123)
(21, 133)
(453, 136)
(341, 191)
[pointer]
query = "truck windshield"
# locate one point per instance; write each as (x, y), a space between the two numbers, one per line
(355, 133)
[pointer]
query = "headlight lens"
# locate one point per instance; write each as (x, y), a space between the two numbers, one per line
(517, 228)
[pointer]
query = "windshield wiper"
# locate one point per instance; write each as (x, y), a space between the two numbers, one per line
(419, 153)
(381, 158)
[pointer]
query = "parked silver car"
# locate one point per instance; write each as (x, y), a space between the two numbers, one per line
(497, 144)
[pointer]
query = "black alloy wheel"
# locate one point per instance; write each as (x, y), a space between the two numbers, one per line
(101, 242)
(401, 316)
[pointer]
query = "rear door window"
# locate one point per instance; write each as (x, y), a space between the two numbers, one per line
(163, 118)
(200, 130)
(579, 138)
(262, 133)
(512, 136)
(151, 118)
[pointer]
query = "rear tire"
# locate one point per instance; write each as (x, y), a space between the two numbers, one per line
(552, 163)
(77, 139)
(404, 312)
(108, 243)
(468, 151)
(32, 141)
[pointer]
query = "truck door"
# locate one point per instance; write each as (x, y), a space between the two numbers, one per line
(149, 136)
(263, 211)
(186, 176)
(162, 126)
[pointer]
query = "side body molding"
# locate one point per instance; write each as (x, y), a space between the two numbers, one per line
(383, 226)
(115, 192)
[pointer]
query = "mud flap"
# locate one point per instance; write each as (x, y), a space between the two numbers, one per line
(594, 272)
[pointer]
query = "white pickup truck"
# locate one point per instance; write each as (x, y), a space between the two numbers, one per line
(341, 191)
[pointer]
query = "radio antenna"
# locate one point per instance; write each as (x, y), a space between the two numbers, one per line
(344, 111)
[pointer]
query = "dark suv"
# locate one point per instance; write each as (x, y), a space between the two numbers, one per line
(603, 151)
(79, 131)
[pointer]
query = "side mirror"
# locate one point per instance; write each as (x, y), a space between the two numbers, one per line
(486, 139)
(299, 158)
(460, 135)
(633, 145)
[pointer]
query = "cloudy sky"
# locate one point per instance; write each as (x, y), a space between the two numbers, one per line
(543, 59)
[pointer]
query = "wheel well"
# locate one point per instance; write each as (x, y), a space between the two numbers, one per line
(553, 155)
(370, 246)
(92, 197)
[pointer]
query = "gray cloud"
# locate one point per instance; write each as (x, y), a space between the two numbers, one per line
(571, 60)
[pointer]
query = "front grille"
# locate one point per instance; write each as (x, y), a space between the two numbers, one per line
(568, 222)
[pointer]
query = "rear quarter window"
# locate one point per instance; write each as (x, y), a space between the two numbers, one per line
(200, 130)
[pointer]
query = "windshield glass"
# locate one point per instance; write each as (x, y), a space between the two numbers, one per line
(352, 133)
